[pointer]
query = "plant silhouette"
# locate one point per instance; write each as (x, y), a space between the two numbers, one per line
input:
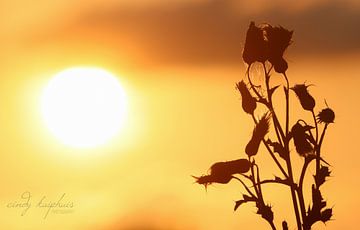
(266, 44)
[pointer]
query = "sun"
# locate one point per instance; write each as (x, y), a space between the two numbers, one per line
(84, 107)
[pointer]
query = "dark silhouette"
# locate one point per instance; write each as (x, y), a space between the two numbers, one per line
(266, 44)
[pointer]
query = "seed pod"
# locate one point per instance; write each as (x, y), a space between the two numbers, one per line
(326, 116)
(260, 130)
(301, 142)
(306, 100)
(255, 48)
(248, 101)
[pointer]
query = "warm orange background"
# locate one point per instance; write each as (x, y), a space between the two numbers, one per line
(178, 63)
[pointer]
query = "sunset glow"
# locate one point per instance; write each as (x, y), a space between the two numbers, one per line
(84, 107)
(112, 106)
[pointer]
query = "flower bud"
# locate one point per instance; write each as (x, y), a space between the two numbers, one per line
(248, 101)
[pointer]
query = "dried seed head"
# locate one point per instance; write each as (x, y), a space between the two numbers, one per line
(248, 101)
(306, 100)
(326, 116)
(255, 48)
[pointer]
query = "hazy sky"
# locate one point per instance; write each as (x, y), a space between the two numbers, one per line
(178, 63)
(187, 32)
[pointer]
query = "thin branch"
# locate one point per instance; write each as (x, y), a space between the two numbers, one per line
(245, 186)
(317, 150)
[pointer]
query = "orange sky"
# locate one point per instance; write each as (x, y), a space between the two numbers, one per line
(178, 64)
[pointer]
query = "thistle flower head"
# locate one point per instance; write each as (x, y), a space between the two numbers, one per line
(260, 130)
(255, 48)
(326, 116)
(306, 100)
(231, 167)
(278, 39)
(301, 141)
(248, 101)
(222, 172)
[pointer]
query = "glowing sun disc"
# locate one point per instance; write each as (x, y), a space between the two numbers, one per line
(84, 107)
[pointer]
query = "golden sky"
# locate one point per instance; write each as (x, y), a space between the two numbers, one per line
(178, 63)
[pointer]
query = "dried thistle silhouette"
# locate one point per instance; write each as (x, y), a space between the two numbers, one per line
(266, 44)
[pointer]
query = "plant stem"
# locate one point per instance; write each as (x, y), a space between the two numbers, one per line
(322, 137)
(317, 150)
(278, 128)
(272, 225)
(287, 104)
(286, 145)
(293, 192)
(259, 195)
(246, 188)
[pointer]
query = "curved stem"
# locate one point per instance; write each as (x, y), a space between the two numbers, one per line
(317, 150)
(247, 189)
(275, 182)
(258, 180)
(287, 104)
(252, 84)
(293, 194)
(272, 225)
(271, 108)
(322, 137)
(258, 193)
(300, 187)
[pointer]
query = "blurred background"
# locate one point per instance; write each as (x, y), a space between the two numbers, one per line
(178, 62)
